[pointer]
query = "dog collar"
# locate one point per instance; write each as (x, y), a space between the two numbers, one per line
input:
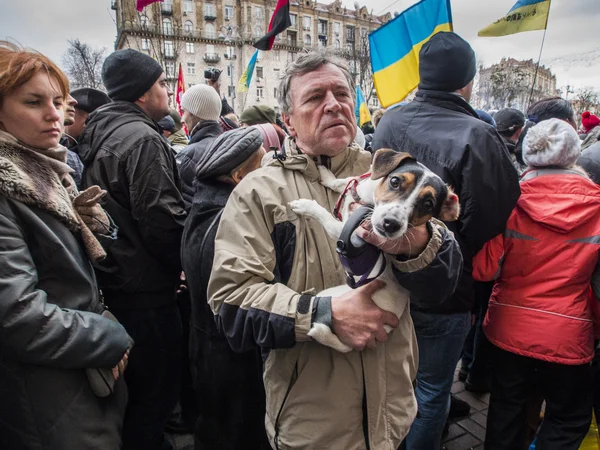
(350, 188)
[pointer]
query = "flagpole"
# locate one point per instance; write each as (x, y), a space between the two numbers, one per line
(537, 67)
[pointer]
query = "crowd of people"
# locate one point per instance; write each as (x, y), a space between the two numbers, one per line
(154, 279)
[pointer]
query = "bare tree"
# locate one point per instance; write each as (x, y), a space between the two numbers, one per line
(587, 99)
(504, 86)
(83, 65)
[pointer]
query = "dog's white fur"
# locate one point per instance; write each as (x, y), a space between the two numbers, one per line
(393, 297)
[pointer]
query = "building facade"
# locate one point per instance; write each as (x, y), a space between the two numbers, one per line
(508, 84)
(198, 34)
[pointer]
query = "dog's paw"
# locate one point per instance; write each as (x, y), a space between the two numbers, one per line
(304, 207)
(328, 179)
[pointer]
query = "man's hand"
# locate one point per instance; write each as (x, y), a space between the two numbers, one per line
(357, 321)
(412, 244)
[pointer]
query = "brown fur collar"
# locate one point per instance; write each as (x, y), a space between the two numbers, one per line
(28, 178)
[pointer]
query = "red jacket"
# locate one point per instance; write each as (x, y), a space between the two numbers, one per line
(543, 266)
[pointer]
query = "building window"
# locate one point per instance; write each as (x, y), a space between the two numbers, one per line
(291, 38)
(307, 40)
(190, 47)
(188, 27)
(258, 31)
(144, 21)
(191, 68)
(337, 45)
(169, 49)
(350, 33)
(145, 44)
(259, 72)
(188, 6)
(167, 6)
(258, 12)
(167, 26)
(209, 10)
(210, 49)
(293, 19)
(275, 92)
(229, 71)
(259, 92)
(210, 31)
(291, 57)
(336, 28)
(228, 12)
(322, 27)
(170, 69)
(306, 22)
(350, 47)
(231, 91)
(277, 55)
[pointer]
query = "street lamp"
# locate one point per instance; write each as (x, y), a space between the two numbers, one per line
(229, 35)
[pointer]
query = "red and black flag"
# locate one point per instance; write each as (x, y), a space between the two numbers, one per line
(280, 20)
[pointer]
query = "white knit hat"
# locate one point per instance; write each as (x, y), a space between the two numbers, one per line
(202, 101)
(552, 142)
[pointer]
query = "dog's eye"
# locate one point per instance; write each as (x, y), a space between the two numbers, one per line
(428, 204)
(394, 182)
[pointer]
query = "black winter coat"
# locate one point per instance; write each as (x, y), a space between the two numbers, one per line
(590, 161)
(51, 329)
(444, 133)
(124, 153)
(187, 159)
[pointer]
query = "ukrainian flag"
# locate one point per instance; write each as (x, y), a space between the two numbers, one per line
(361, 111)
(246, 77)
(526, 15)
(396, 45)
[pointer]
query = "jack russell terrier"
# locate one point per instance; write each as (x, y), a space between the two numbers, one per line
(398, 194)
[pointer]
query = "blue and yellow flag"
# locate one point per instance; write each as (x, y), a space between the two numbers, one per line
(361, 110)
(396, 45)
(246, 77)
(526, 15)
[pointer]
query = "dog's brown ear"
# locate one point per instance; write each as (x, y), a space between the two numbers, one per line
(386, 160)
(451, 207)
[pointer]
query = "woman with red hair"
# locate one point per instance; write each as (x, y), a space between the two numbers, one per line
(57, 347)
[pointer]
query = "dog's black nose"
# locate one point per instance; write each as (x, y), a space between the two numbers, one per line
(391, 225)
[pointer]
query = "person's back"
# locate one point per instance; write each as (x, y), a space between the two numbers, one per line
(590, 161)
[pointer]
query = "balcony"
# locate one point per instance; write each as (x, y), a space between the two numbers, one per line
(228, 56)
(210, 15)
(322, 32)
(166, 9)
(211, 58)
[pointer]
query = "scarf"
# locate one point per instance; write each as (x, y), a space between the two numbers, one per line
(41, 178)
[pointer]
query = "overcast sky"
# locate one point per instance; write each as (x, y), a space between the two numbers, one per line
(572, 45)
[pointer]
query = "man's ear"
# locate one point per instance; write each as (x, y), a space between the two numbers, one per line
(386, 160)
(451, 207)
(288, 124)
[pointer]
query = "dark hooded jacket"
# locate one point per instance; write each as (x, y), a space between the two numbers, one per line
(202, 136)
(590, 161)
(444, 133)
(124, 153)
(228, 384)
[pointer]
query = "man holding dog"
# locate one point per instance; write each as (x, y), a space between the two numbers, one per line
(443, 132)
(269, 263)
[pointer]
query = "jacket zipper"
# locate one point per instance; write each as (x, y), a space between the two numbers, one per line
(287, 393)
(364, 406)
(544, 312)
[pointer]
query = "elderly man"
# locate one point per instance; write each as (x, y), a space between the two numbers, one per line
(269, 263)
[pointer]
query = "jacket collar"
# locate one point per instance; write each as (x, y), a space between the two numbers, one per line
(446, 100)
(290, 157)
(532, 173)
(204, 129)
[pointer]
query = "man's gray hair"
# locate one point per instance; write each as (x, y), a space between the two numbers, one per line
(306, 63)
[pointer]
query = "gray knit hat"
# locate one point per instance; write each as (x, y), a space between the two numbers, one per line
(228, 151)
(129, 74)
(202, 101)
(552, 142)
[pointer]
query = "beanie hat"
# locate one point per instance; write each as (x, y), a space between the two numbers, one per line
(552, 142)
(258, 114)
(446, 63)
(129, 74)
(269, 135)
(167, 123)
(227, 152)
(589, 121)
(89, 99)
(202, 101)
(227, 124)
(176, 118)
(509, 120)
